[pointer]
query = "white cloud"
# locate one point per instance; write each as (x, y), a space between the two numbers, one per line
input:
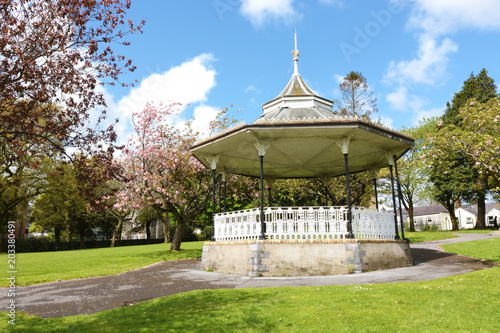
(260, 12)
(403, 101)
(252, 88)
(335, 3)
(386, 121)
(421, 114)
(188, 83)
(338, 78)
(447, 16)
(203, 115)
(428, 68)
(433, 21)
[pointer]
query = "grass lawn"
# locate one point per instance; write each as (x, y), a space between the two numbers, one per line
(461, 303)
(40, 267)
(487, 249)
(474, 231)
(425, 236)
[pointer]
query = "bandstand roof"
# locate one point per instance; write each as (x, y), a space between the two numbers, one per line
(303, 139)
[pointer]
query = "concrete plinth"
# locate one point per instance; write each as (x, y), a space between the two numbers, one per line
(304, 257)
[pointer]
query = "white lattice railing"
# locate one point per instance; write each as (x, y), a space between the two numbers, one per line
(303, 223)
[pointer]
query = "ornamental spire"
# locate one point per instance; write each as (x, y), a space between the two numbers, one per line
(296, 56)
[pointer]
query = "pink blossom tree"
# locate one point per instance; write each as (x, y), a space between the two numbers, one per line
(160, 170)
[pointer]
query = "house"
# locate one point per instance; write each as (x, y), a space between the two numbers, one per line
(492, 211)
(437, 215)
(434, 215)
(466, 218)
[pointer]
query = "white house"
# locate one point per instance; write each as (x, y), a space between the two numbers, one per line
(466, 218)
(434, 215)
(437, 215)
(492, 211)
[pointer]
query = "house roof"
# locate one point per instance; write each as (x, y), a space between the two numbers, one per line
(436, 209)
(427, 210)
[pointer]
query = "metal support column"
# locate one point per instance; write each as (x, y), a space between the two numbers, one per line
(394, 204)
(262, 222)
(225, 185)
(399, 197)
(213, 205)
(349, 212)
(219, 184)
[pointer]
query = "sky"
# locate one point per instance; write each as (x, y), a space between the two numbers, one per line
(213, 54)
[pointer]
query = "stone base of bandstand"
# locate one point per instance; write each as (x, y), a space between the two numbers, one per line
(309, 257)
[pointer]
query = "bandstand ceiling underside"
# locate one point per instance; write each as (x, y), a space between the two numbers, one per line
(302, 150)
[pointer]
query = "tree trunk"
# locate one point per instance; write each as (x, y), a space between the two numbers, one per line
(410, 216)
(166, 228)
(179, 233)
(148, 230)
(57, 237)
(69, 235)
(81, 231)
(481, 211)
(453, 217)
(116, 232)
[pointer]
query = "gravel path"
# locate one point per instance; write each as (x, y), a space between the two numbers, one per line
(91, 295)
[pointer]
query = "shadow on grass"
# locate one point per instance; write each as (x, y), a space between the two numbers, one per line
(196, 311)
(424, 255)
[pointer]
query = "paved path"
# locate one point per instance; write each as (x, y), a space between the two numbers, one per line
(91, 295)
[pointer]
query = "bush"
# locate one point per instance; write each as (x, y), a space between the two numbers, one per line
(428, 227)
(44, 244)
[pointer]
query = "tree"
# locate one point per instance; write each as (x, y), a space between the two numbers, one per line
(448, 172)
(413, 177)
(53, 55)
(161, 171)
(477, 138)
(357, 98)
(60, 207)
(482, 88)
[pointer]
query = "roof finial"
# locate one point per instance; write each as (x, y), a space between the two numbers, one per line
(296, 55)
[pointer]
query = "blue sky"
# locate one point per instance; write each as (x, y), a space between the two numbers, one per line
(212, 54)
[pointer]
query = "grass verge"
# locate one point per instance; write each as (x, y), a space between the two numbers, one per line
(461, 303)
(41, 267)
(486, 249)
(425, 236)
(443, 305)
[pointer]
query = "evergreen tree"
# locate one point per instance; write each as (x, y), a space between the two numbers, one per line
(482, 88)
(357, 98)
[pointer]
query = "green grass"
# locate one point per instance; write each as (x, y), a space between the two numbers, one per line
(461, 303)
(474, 231)
(425, 236)
(487, 249)
(40, 267)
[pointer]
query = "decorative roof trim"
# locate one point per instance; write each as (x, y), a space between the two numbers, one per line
(338, 120)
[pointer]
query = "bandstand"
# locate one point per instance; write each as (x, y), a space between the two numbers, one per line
(299, 136)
